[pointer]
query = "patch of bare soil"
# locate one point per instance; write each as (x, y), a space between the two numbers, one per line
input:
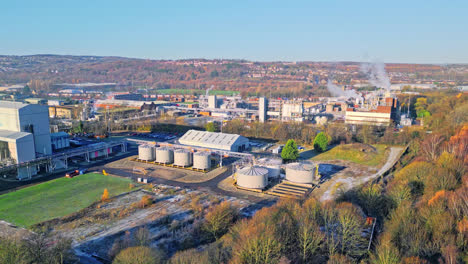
(8, 230)
(353, 175)
(169, 219)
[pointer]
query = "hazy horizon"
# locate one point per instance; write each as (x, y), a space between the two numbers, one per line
(398, 32)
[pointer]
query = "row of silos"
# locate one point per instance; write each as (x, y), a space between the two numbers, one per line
(178, 157)
(258, 176)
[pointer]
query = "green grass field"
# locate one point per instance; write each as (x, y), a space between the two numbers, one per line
(57, 198)
(348, 152)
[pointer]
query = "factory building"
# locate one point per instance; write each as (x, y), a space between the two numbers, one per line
(263, 109)
(213, 101)
(65, 112)
(223, 141)
(24, 133)
(60, 140)
(292, 111)
(379, 115)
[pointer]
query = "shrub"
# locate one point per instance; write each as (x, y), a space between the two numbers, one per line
(139, 255)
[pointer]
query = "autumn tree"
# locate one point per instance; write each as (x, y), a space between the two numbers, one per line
(219, 219)
(138, 255)
(431, 147)
(105, 196)
(210, 127)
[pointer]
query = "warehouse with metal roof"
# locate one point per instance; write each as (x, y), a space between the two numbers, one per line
(215, 140)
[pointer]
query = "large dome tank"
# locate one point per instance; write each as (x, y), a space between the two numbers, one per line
(182, 158)
(164, 155)
(146, 153)
(201, 161)
(252, 177)
(272, 165)
(300, 172)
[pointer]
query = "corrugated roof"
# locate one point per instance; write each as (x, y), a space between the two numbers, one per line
(12, 135)
(12, 105)
(196, 137)
(253, 171)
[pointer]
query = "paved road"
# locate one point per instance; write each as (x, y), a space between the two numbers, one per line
(211, 184)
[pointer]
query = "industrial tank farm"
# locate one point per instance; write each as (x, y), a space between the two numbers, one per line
(146, 153)
(252, 177)
(272, 165)
(201, 161)
(300, 172)
(179, 157)
(182, 158)
(164, 155)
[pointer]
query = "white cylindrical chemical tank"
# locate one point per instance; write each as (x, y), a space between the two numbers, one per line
(252, 177)
(272, 165)
(145, 152)
(182, 158)
(164, 155)
(300, 172)
(202, 161)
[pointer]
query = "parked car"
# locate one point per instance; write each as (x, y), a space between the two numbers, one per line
(72, 174)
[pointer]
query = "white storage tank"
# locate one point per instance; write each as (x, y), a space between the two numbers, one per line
(252, 177)
(182, 157)
(300, 172)
(164, 155)
(272, 165)
(146, 153)
(201, 161)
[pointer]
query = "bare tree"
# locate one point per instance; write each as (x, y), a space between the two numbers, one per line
(432, 146)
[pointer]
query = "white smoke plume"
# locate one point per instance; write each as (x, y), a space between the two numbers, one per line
(338, 92)
(376, 74)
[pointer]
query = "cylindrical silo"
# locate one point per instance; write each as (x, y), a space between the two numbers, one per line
(164, 155)
(272, 165)
(300, 172)
(252, 177)
(145, 153)
(201, 161)
(182, 158)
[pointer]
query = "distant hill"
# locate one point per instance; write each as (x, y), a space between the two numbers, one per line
(275, 78)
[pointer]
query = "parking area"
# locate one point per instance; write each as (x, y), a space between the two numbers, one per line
(159, 136)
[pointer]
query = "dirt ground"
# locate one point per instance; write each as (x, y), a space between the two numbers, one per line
(8, 230)
(340, 176)
(169, 219)
(168, 173)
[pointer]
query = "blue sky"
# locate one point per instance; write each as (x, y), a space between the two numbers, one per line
(322, 30)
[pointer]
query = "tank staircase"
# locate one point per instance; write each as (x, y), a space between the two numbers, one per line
(290, 190)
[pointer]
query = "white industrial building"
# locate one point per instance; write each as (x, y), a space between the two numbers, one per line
(214, 140)
(213, 101)
(24, 133)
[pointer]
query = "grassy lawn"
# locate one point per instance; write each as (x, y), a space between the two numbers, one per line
(354, 154)
(57, 198)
